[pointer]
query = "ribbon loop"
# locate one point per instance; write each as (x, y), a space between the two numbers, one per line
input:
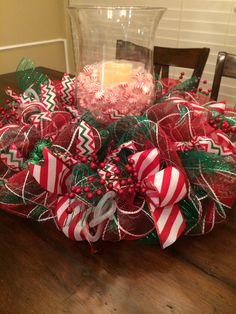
(169, 185)
(73, 217)
(146, 162)
(165, 188)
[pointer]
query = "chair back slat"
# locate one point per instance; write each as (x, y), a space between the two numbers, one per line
(163, 57)
(165, 70)
(191, 58)
(225, 66)
(130, 51)
(230, 66)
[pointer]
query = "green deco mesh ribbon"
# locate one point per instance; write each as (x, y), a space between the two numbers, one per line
(205, 171)
(195, 162)
(37, 153)
(27, 76)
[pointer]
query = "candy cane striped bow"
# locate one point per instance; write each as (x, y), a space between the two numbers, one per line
(165, 188)
(77, 224)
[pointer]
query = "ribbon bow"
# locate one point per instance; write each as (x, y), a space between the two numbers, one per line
(165, 188)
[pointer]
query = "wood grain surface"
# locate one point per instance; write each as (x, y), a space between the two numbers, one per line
(41, 271)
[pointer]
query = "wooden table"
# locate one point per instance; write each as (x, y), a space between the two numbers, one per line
(41, 271)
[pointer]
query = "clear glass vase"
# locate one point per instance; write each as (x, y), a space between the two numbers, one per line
(113, 54)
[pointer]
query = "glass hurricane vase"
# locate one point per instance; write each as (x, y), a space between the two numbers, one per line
(114, 59)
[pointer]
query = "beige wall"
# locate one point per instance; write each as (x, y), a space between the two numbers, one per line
(23, 21)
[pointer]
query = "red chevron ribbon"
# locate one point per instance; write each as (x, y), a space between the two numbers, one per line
(218, 144)
(49, 96)
(13, 158)
(67, 90)
(165, 188)
(85, 144)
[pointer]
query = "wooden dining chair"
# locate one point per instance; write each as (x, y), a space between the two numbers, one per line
(191, 58)
(130, 51)
(225, 66)
(163, 57)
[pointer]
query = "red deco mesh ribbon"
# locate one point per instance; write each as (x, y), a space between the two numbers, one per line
(122, 182)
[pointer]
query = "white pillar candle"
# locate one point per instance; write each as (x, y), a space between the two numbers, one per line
(115, 72)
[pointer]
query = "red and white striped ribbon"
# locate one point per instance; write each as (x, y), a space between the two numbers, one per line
(52, 175)
(217, 106)
(71, 222)
(77, 222)
(165, 188)
(146, 162)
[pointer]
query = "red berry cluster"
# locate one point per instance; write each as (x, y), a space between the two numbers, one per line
(204, 92)
(129, 182)
(219, 123)
(125, 175)
(87, 191)
(8, 113)
(200, 90)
